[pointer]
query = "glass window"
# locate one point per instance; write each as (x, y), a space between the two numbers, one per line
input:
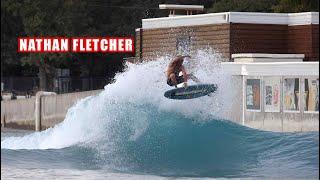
(311, 94)
(272, 94)
(291, 94)
(253, 94)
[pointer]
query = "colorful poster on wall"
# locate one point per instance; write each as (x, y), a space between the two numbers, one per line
(311, 94)
(291, 94)
(272, 94)
(253, 94)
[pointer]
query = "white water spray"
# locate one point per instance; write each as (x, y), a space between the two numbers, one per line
(139, 86)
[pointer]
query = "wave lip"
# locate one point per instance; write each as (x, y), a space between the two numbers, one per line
(131, 127)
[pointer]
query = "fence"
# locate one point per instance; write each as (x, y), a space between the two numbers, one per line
(20, 113)
(21, 85)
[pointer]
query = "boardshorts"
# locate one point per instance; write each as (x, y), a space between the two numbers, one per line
(179, 79)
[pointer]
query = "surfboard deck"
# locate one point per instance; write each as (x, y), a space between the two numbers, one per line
(193, 91)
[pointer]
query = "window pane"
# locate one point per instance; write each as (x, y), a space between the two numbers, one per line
(291, 94)
(311, 94)
(253, 94)
(272, 94)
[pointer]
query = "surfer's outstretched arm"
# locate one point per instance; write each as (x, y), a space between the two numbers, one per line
(194, 78)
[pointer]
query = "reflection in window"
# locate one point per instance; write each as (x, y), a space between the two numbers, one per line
(253, 94)
(311, 94)
(272, 94)
(291, 94)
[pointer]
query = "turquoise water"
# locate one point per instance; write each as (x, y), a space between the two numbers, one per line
(174, 146)
(130, 131)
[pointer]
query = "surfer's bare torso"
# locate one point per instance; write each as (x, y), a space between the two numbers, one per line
(173, 70)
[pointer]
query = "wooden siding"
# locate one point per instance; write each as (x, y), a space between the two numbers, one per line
(258, 38)
(304, 39)
(160, 42)
(233, 38)
(315, 43)
(137, 44)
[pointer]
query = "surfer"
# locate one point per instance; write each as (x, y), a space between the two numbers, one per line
(173, 70)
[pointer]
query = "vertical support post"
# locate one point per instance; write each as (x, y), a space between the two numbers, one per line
(3, 120)
(262, 98)
(37, 112)
(301, 99)
(281, 101)
(243, 97)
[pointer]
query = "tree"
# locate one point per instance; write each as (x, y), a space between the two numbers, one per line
(294, 6)
(51, 18)
(10, 26)
(243, 5)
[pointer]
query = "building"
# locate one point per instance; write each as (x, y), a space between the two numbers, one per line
(276, 92)
(230, 33)
(274, 57)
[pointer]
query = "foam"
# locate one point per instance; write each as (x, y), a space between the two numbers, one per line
(126, 100)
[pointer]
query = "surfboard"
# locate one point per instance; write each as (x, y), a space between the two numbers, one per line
(193, 91)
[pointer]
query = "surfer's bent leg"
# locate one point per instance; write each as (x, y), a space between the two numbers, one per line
(172, 81)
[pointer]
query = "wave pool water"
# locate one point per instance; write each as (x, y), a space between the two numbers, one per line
(131, 131)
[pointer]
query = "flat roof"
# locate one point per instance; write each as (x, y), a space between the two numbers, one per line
(290, 19)
(267, 55)
(272, 68)
(181, 7)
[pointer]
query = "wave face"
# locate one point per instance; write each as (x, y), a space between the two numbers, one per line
(130, 127)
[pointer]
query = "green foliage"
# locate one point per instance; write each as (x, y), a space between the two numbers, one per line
(294, 6)
(265, 5)
(20, 18)
(11, 25)
(53, 18)
(243, 5)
